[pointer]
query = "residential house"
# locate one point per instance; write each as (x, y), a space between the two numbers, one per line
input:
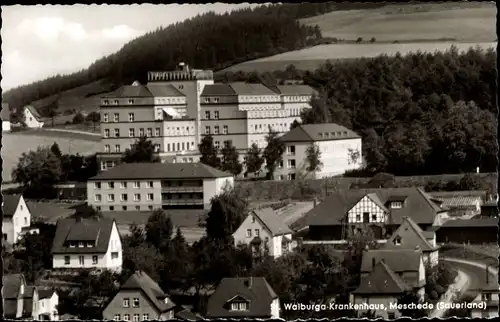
(381, 288)
(140, 299)
(32, 119)
(149, 186)
(5, 116)
(461, 203)
(339, 147)
(471, 231)
(249, 297)
(265, 231)
(87, 243)
(410, 236)
(488, 294)
(382, 210)
(16, 218)
(408, 264)
(20, 301)
(48, 300)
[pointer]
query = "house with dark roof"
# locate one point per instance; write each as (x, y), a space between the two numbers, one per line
(489, 209)
(20, 301)
(32, 118)
(243, 297)
(410, 236)
(148, 186)
(487, 294)
(48, 300)
(345, 212)
(140, 298)
(5, 116)
(339, 147)
(16, 218)
(87, 243)
(265, 232)
(461, 203)
(471, 231)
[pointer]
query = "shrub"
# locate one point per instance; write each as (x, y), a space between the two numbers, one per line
(439, 289)
(433, 295)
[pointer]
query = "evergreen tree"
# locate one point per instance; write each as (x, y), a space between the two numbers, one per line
(313, 156)
(142, 151)
(230, 159)
(209, 153)
(273, 153)
(159, 230)
(55, 150)
(254, 159)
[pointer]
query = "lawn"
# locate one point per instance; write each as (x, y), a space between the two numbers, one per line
(14, 144)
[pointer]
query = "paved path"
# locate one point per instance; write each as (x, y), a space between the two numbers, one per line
(460, 284)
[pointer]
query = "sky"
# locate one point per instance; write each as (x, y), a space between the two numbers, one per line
(42, 41)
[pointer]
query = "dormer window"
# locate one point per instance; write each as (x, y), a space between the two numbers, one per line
(81, 244)
(396, 204)
(131, 101)
(397, 241)
(253, 219)
(90, 244)
(72, 244)
(239, 306)
(106, 102)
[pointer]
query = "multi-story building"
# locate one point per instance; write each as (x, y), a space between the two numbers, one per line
(177, 108)
(149, 186)
(339, 147)
(16, 219)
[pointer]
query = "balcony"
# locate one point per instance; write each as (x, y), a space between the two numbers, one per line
(176, 202)
(182, 189)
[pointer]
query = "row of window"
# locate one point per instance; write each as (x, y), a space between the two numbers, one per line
(290, 176)
(124, 197)
(290, 164)
(225, 130)
(278, 127)
(242, 306)
(332, 134)
(81, 244)
(179, 130)
(116, 102)
(124, 208)
(208, 115)
(116, 117)
(126, 302)
(124, 185)
(131, 132)
(126, 317)
(81, 259)
(107, 164)
(180, 146)
(16, 221)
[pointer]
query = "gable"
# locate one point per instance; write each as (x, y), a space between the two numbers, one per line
(367, 205)
(408, 236)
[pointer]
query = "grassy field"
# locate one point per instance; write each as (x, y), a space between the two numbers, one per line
(14, 144)
(463, 22)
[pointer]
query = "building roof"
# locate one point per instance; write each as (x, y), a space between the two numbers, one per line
(130, 91)
(45, 293)
(272, 221)
(242, 88)
(333, 210)
(10, 203)
(218, 90)
(10, 308)
(491, 203)
(28, 295)
(71, 229)
(294, 90)
(382, 280)
(141, 281)
(11, 284)
(5, 113)
(474, 222)
(34, 112)
(318, 132)
(399, 260)
(254, 289)
(411, 236)
(130, 171)
(459, 199)
(187, 315)
(164, 90)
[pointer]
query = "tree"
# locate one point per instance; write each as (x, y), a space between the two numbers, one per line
(254, 160)
(469, 182)
(273, 153)
(78, 118)
(176, 264)
(294, 124)
(136, 236)
(382, 180)
(37, 171)
(313, 156)
(51, 109)
(410, 299)
(209, 153)
(86, 212)
(159, 229)
(230, 159)
(226, 215)
(55, 150)
(142, 151)
(93, 117)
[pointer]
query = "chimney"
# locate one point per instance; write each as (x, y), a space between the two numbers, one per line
(166, 300)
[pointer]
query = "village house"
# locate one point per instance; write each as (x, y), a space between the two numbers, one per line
(140, 298)
(87, 243)
(16, 219)
(471, 231)
(410, 236)
(248, 297)
(489, 209)
(461, 203)
(266, 232)
(20, 301)
(488, 293)
(32, 119)
(380, 210)
(5, 116)
(48, 300)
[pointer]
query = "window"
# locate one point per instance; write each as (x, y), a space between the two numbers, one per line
(157, 131)
(397, 241)
(81, 260)
(178, 146)
(290, 150)
(216, 99)
(280, 165)
(117, 133)
(257, 232)
(150, 207)
(216, 115)
(183, 147)
(111, 185)
(137, 208)
(137, 197)
(111, 197)
(98, 208)
(81, 244)
(106, 148)
(243, 306)
(115, 102)
(207, 129)
(366, 217)
(358, 218)
(136, 184)
(234, 306)
(117, 148)
(224, 129)
(149, 132)
(396, 204)
(141, 132)
(150, 184)
(216, 130)
(291, 176)
(145, 317)
(117, 317)
(253, 219)
(97, 197)
(114, 255)
(207, 100)
(106, 133)
(486, 297)
(181, 86)
(131, 101)
(131, 117)
(136, 302)
(126, 317)
(124, 197)
(150, 196)
(105, 117)
(157, 147)
(97, 185)
(123, 185)
(66, 260)
(291, 164)
(126, 302)
(124, 208)
(207, 115)
(374, 218)
(217, 144)
(116, 117)
(94, 259)
(136, 317)
(111, 208)
(249, 233)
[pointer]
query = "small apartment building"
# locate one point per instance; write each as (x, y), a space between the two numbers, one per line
(32, 119)
(149, 186)
(87, 243)
(340, 150)
(48, 300)
(487, 294)
(140, 299)
(16, 219)
(265, 232)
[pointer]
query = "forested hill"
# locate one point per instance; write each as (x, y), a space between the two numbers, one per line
(206, 41)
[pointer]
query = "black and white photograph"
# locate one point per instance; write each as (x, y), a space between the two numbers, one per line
(284, 160)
